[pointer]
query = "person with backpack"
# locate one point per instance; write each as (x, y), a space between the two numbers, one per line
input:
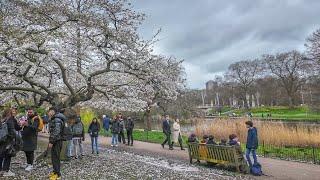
(56, 125)
(252, 143)
(115, 128)
(78, 136)
(93, 130)
(8, 138)
(29, 136)
(121, 130)
(129, 127)
(106, 123)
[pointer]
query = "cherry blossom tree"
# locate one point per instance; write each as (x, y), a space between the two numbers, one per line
(88, 52)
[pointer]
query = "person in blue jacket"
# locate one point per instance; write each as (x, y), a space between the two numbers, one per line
(106, 123)
(252, 143)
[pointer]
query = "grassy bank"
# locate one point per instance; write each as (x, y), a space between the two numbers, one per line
(284, 113)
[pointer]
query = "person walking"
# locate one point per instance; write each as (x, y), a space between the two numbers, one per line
(129, 128)
(7, 144)
(29, 137)
(106, 123)
(78, 136)
(56, 125)
(121, 130)
(167, 132)
(93, 130)
(252, 143)
(115, 128)
(177, 134)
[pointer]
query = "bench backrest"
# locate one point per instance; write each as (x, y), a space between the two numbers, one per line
(214, 153)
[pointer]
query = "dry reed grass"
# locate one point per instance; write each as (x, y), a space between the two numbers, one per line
(271, 133)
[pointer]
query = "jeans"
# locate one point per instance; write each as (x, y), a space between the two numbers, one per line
(55, 157)
(30, 157)
(69, 148)
(94, 144)
(121, 137)
(5, 161)
(77, 146)
(114, 139)
(254, 155)
(130, 137)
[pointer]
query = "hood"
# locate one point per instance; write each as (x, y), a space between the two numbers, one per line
(78, 119)
(61, 116)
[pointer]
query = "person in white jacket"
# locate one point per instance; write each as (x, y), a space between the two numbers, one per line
(177, 133)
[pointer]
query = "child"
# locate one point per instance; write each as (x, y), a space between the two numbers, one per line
(223, 142)
(192, 138)
(234, 141)
(204, 139)
(211, 140)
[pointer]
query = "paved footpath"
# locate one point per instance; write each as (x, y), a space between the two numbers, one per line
(273, 168)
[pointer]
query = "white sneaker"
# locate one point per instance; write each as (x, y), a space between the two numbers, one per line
(29, 168)
(112, 145)
(8, 174)
(116, 145)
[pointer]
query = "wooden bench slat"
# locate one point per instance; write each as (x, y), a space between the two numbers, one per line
(226, 155)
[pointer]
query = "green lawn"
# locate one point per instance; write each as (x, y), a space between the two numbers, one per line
(283, 113)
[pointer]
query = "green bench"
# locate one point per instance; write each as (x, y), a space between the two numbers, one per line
(218, 154)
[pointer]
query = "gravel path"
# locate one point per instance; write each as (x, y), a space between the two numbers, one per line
(120, 164)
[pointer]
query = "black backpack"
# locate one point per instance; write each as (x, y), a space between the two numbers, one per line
(66, 131)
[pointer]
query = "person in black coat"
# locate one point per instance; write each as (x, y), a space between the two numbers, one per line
(55, 140)
(166, 128)
(8, 145)
(93, 130)
(29, 137)
(129, 128)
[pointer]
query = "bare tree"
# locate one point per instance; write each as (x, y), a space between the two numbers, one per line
(292, 70)
(244, 73)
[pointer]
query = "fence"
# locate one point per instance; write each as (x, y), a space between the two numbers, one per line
(301, 154)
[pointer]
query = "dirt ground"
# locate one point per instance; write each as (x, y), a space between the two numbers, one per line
(150, 161)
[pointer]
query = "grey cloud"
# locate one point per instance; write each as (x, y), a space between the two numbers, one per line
(211, 34)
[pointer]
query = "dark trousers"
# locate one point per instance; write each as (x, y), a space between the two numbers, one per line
(130, 137)
(167, 140)
(30, 157)
(5, 162)
(55, 157)
(121, 137)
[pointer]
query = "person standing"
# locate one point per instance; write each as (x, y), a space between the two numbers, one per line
(129, 128)
(177, 133)
(78, 136)
(8, 144)
(167, 132)
(29, 137)
(106, 123)
(93, 130)
(115, 128)
(56, 124)
(252, 143)
(121, 130)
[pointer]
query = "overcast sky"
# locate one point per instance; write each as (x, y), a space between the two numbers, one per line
(211, 34)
